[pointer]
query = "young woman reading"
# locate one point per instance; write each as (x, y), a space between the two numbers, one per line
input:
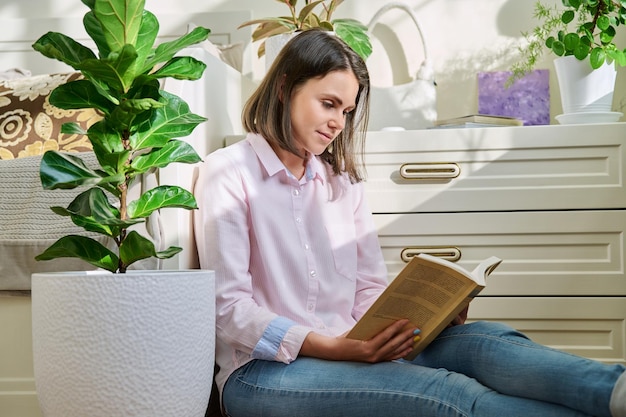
(284, 222)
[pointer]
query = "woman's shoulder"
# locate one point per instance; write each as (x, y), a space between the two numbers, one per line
(234, 153)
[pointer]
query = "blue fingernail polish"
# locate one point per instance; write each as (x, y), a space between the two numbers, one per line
(417, 331)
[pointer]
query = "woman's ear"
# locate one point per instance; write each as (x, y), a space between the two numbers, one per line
(281, 84)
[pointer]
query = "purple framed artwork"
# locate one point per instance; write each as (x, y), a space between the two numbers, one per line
(527, 99)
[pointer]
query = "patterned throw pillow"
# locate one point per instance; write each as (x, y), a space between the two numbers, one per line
(30, 125)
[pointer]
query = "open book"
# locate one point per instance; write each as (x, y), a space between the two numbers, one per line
(430, 292)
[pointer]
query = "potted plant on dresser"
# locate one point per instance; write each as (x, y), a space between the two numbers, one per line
(116, 342)
(582, 36)
(274, 32)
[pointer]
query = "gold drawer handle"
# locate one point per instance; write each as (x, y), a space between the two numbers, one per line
(452, 254)
(426, 171)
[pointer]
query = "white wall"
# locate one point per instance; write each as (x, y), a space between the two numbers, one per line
(464, 37)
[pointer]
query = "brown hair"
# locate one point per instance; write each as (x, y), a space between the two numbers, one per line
(311, 54)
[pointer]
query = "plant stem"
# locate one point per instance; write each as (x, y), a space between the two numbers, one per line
(123, 188)
(294, 17)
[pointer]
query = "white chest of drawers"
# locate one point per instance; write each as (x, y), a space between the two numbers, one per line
(549, 200)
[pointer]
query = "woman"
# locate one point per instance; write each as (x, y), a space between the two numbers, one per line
(285, 225)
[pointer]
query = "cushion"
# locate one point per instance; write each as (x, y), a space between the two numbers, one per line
(28, 226)
(30, 125)
(13, 73)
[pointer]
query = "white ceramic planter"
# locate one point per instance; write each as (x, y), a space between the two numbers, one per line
(139, 344)
(582, 88)
(273, 45)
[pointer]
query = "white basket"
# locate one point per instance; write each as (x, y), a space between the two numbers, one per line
(412, 105)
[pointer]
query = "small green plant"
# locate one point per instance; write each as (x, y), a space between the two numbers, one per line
(595, 24)
(353, 32)
(136, 134)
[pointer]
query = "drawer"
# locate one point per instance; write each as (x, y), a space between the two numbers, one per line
(594, 327)
(497, 169)
(18, 397)
(544, 253)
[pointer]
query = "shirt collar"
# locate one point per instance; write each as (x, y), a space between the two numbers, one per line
(314, 168)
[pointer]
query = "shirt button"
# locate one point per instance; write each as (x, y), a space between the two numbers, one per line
(296, 192)
(313, 273)
(298, 220)
(310, 307)
(306, 246)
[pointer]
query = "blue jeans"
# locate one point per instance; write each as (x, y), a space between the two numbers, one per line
(480, 369)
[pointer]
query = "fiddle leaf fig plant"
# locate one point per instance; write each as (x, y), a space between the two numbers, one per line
(585, 29)
(353, 32)
(137, 133)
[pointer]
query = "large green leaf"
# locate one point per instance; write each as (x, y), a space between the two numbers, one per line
(85, 248)
(135, 248)
(66, 171)
(112, 72)
(286, 21)
(124, 63)
(311, 21)
(171, 121)
(270, 27)
(307, 10)
(166, 51)
(145, 85)
(105, 137)
(121, 21)
(111, 227)
(173, 151)
(163, 196)
(132, 112)
(93, 27)
(80, 94)
(354, 33)
(108, 147)
(169, 252)
(63, 48)
(145, 40)
(87, 223)
(94, 203)
(90, 210)
(182, 68)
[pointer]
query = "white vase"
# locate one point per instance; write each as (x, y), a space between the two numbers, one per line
(139, 344)
(273, 45)
(582, 88)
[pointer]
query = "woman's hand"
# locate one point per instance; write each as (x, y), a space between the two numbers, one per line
(394, 342)
(460, 319)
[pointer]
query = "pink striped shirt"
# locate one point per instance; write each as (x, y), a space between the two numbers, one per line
(291, 256)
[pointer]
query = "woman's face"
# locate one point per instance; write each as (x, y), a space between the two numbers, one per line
(319, 108)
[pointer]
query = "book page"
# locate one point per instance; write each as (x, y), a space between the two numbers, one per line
(482, 271)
